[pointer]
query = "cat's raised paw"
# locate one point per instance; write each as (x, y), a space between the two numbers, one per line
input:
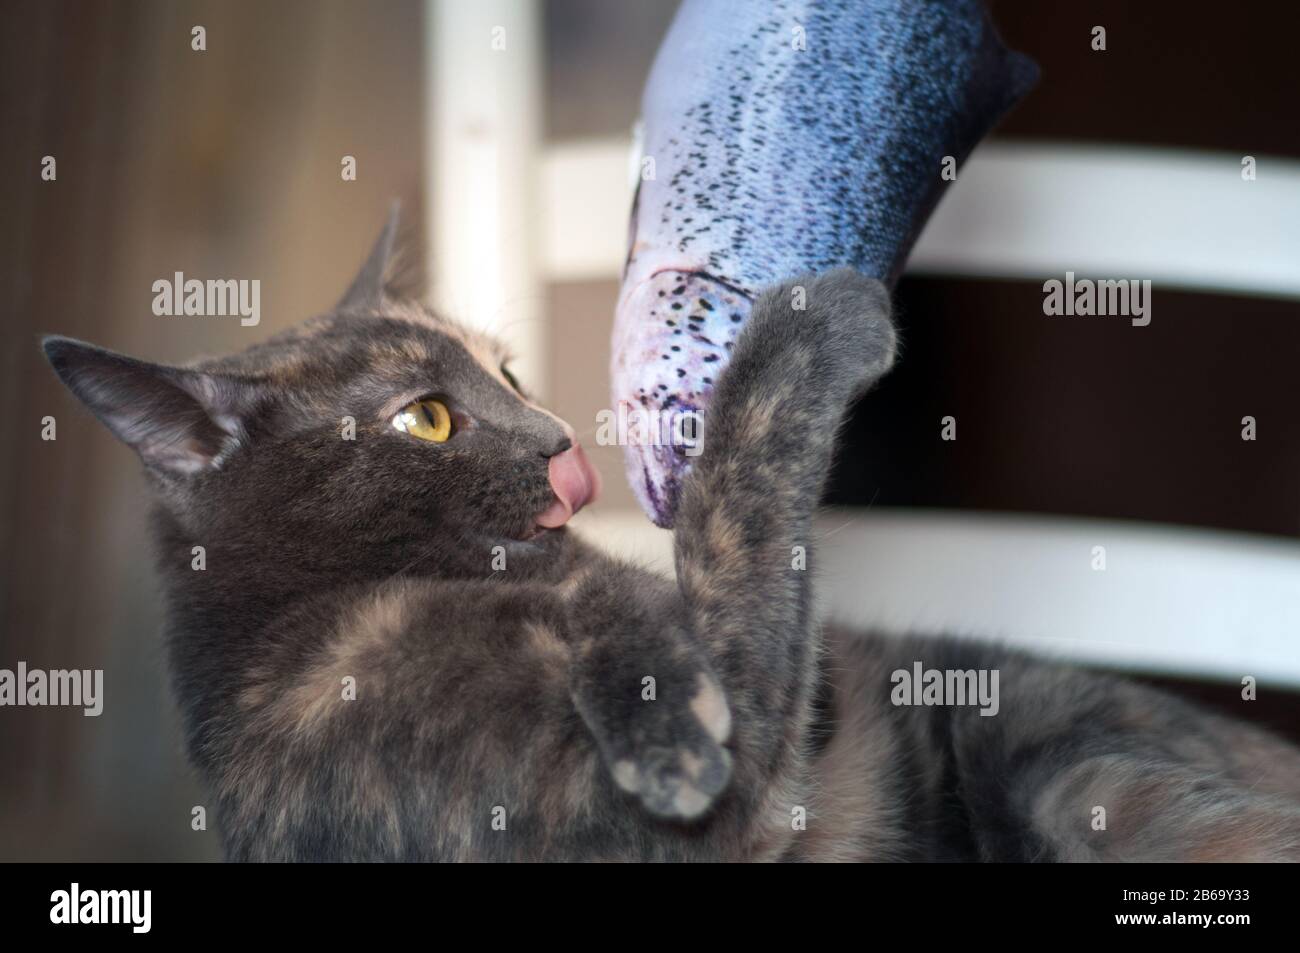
(844, 314)
(676, 782)
(668, 751)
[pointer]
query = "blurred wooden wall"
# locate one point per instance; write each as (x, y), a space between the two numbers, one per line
(223, 163)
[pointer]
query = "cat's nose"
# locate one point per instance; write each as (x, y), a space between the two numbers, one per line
(565, 442)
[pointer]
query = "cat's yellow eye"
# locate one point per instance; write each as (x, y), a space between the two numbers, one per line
(427, 419)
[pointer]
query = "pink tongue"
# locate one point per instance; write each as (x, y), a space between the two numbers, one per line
(575, 483)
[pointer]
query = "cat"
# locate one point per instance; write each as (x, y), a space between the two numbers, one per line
(399, 651)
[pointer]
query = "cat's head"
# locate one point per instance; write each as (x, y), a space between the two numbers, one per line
(368, 440)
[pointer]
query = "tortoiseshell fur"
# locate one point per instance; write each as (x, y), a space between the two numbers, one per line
(501, 713)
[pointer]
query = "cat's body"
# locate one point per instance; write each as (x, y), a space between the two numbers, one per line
(390, 655)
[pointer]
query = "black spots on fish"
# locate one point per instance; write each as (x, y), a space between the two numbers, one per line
(666, 357)
(713, 193)
(680, 372)
(704, 303)
(708, 380)
(677, 306)
(676, 347)
(678, 331)
(679, 289)
(737, 318)
(661, 293)
(670, 322)
(710, 358)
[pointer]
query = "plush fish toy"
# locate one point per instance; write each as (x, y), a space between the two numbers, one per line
(782, 137)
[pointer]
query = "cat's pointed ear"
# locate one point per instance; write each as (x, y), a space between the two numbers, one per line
(178, 420)
(367, 290)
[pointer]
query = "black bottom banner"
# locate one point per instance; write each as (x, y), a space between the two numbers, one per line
(214, 902)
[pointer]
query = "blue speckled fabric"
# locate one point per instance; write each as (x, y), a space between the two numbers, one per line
(787, 136)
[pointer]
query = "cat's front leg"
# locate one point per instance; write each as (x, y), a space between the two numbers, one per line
(647, 660)
(744, 526)
(647, 692)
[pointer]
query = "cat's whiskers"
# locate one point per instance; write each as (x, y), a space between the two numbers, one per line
(825, 536)
(499, 325)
